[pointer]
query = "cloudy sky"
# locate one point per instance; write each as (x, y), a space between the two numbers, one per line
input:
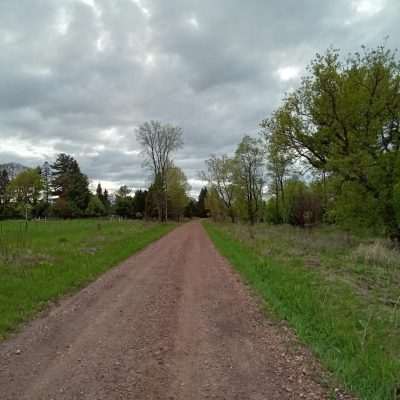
(78, 76)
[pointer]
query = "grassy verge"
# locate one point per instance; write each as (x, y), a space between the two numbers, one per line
(355, 332)
(47, 260)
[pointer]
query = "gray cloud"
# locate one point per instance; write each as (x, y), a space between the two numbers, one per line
(79, 76)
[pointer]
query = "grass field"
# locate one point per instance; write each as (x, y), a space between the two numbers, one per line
(49, 259)
(340, 293)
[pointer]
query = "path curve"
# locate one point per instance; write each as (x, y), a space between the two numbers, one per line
(171, 322)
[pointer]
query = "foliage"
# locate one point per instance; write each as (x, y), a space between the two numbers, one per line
(70, 186)
(177, 188)
(249, 176)
(159, 142)
(53, 258)
(338, 296)
(220, 175)
(25, 189)
(344, 120)
(95, 207)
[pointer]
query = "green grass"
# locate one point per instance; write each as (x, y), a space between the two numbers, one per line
(50, 259)
(330, 292)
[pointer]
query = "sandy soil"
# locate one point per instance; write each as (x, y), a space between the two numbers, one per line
(171, 322)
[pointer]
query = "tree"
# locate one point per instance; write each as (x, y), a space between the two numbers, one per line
(70, 185)
(249, 158)
(344, 120)
(220, 175)
(95, 207)
(140, 203)
(4, 182)
(191, 209)
(99, 192)
(24, 190)
(177, 192)
(202, 210)
(45, 173)
(159, 142)
(124, 206)
(280, 159)
(106, 201)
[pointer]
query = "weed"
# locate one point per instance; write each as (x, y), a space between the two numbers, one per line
(354, 332)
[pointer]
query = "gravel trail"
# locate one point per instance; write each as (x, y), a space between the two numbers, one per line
(172, 322)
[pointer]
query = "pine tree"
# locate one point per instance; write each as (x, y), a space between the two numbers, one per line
(99, 192)
(45, 173)
(70, 185)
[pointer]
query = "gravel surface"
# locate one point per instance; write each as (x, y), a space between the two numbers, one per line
(171, 322)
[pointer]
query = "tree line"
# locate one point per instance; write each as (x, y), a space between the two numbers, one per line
(329, 153)
(61, 189)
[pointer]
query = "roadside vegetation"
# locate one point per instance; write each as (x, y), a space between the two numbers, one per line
(340, 292)
(42, 261)
(313, 203)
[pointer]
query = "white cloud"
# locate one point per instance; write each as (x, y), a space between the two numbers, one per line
(288, 73)
(368, 8)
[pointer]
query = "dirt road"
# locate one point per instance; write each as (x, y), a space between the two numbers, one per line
(172, 322)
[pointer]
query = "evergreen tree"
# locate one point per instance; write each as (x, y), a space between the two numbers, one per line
(45, 173)
(4, 182)
(99, 192)
(201, 208)
(70, 185)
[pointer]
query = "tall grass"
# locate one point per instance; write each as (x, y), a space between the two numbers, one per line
(355, 338)
(42, 262)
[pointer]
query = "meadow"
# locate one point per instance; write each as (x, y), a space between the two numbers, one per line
(41, 261)
(340, 292)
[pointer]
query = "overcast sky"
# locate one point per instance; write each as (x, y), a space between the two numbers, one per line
(78, 76)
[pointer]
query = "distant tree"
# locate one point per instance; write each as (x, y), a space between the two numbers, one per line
(177, 192)
(45, 172)
(95, 207)
(124, 205)
(24, 190)
(70, 185)
(220, 175)
(216, 205)
(249, 158)
(139, 201)
(106, 201)
(159, 142)
(202, 210)
(123, 191)
(191, 209)
(99, 192)
(4, 182)
(279, 162)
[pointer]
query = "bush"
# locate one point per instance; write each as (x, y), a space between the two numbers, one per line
(379, 253)
(95, 208)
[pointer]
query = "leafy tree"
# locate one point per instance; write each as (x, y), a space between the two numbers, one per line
(159, 142)
(216, 205)
(249, 175)
(345, 120)
(24, 190)
(70, 185)
(95, 207)
(124, 205)
(280, 160)
(220, 175)
(177, 192)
